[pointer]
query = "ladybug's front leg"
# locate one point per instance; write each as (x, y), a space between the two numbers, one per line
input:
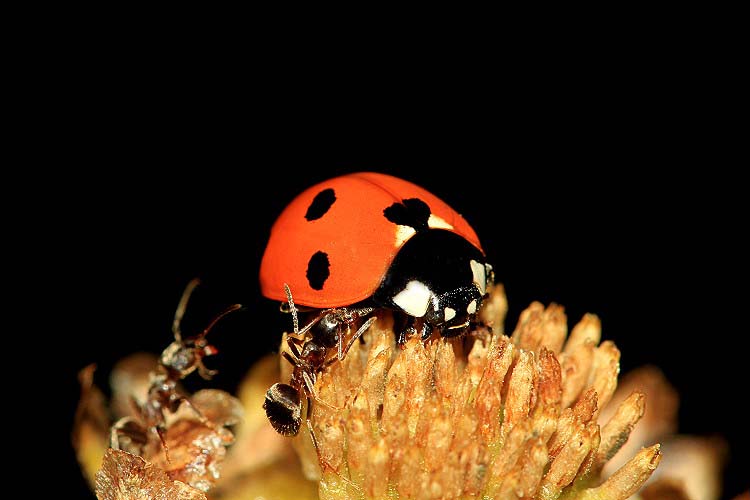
(403, 324)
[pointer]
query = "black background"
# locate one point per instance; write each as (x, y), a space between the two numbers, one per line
(606, 201)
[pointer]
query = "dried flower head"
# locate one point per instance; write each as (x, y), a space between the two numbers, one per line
(538, 415)
(485, 416)
(197, 445)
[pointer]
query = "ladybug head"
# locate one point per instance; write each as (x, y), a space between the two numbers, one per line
(439, 276)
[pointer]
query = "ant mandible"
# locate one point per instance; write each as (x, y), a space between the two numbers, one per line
(181, 358)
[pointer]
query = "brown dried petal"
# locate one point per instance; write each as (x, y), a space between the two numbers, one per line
(528, 332)
(627, 480)
(127, 477)
(566, 464)
(659, 418)
(617, 430)
(539, 327)
(218, 407)
(576, 367)
(571, 419)
(589, 329)
(130, 380)
(494, 309)
(195, 453)
(518, 401)
(488, 400)
(604, 372)
(524, 477)
(549, 392)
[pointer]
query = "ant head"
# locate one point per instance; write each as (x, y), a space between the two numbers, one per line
(185, 355)
(283, 409)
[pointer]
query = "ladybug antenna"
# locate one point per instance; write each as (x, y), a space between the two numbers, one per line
(292, 308)
(180, 312)
(225, 312)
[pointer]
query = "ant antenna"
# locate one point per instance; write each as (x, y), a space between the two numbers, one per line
(292, 308)
(180, 312)
(230, 309)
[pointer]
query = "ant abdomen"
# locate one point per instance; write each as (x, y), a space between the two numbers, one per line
(283, 409)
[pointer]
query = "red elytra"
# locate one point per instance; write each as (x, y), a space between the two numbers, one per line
(342, 223)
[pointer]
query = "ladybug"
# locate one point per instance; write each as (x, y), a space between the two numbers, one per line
(370, 240)
(355, 244)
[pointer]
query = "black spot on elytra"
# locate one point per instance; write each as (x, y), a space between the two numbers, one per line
(320, 204)
(411, 212)
(318, 270)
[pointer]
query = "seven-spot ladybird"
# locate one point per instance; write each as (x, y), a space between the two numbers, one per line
(370, 240)
(355, 244)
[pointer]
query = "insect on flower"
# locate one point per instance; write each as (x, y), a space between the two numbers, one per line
(181, 358)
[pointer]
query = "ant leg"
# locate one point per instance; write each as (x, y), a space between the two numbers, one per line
(310, 387)
(120, 427)
(312, 323)
(201, 417)
(339, 342)
(295, 344)
(308, 420)
(324, 464)
(362, 329)
(204, 372)
(163, 438)
(294, 357)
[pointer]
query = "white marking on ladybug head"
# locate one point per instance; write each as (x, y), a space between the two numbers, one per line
(480, 278)
(436, 222)
(414, 299)
(472, 307)
(450, 313)
(403, 233)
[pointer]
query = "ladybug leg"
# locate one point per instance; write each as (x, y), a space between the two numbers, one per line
(479, 329)
(405, 327)
(426, 330)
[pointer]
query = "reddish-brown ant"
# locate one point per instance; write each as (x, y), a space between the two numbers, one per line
(308, 354)
(177, 361)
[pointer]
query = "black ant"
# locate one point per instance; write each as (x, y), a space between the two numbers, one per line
(308, 354)
(177, 361)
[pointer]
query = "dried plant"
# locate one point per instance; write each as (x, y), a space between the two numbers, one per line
(536, 415)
